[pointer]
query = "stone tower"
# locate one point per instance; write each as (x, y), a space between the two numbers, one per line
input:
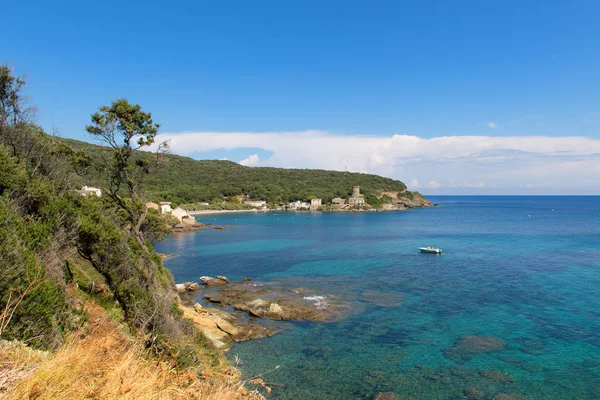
(355, 191)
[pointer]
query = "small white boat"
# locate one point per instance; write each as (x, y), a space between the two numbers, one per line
(430, 249)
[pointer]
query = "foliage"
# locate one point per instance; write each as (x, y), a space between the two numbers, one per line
(125, 128)
(50, 235)
(13, 107)
(155, 226)
(186, 181)
(101, 361)
(34, 229)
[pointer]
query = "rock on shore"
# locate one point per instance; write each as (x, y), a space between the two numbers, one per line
(222, 328)
(187, 287)
(218, 281)
(279, 304)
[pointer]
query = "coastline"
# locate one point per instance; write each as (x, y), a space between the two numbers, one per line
(207, 212)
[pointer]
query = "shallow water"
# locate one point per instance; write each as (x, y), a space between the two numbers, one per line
(531, 281)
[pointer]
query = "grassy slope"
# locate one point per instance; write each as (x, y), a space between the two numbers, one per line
(101, 360)
(184, 180)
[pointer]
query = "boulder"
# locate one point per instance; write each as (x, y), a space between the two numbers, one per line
(468, 346)
(258, 303)
(187, 287)
(223, 278)
(275, 308)
(210, 281)
(222, 328)
(228, 328)
(214, 298)
(282, 304)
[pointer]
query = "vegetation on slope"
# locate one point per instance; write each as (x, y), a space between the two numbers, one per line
(58, 249)
(103, 361)
(184, 180)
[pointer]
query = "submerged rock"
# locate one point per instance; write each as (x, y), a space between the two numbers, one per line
(503, 396)
(497, 376)
(382, 299)
(386, 396)
(474, 394)
(469, 346)
(279, 304)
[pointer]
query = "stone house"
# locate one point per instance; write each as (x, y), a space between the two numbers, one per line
(338, 202)
(357, 199)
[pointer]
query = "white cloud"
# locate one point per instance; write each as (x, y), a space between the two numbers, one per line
(447, 163)
(415, 185)
(492, 124)
(251, 160)
(475, 185)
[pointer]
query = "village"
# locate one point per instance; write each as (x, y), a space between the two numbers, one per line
(184, 213)
(315, 204)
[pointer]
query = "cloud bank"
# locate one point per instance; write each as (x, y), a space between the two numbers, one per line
(253, 159)
(445, 164)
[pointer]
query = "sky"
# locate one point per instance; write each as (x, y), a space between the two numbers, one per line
(461, 97)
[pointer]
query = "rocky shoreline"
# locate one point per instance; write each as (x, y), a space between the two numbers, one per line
(239, 304)
(250, 310)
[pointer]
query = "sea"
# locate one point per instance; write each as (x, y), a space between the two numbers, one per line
(510, 308)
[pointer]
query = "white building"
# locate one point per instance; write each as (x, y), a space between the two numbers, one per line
(164, 207)
(88, 190)
(298, 205)
(180, 213)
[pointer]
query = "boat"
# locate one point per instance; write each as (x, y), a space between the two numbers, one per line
(430, 249)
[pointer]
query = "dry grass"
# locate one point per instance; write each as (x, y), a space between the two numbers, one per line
(102, 362)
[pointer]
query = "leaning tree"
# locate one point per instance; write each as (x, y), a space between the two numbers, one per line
(124, 127)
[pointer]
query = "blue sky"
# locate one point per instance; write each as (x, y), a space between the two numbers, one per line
(345, 69)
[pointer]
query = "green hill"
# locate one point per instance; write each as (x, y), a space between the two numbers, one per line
(185, 180)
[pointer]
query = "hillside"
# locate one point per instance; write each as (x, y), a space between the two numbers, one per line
(80, 280)
(185, 180)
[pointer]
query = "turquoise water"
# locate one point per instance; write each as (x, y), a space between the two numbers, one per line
(531, 281)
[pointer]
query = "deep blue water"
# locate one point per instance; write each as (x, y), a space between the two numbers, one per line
(523, 269)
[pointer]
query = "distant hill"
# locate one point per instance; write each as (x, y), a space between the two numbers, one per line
(185, 180)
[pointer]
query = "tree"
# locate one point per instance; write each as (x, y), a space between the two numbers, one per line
(124, 127)
(13, 108)
(15, 113)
